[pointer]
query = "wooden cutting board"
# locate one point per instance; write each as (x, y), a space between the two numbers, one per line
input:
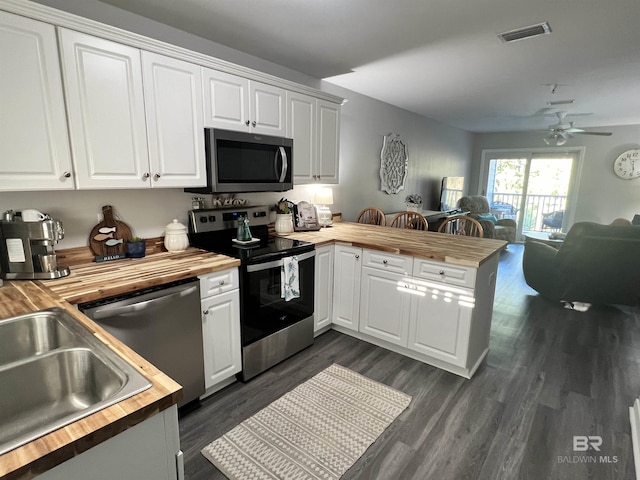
(109, 230)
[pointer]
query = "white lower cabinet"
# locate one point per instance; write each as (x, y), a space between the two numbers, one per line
(323, 299)
(221, 330)
(346, 286)
(432, 311)
(148, 450)
(440, 323)
(384, 310)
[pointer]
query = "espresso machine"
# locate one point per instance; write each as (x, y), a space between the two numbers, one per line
(26, 249)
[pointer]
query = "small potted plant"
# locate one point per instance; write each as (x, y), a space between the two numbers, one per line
(413, 202)
(284, 219)
(136, 247)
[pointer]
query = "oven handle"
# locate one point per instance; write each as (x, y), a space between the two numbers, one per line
(278, 263)
(285, 164)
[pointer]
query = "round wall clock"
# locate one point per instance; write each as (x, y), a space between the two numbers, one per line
(627, 165)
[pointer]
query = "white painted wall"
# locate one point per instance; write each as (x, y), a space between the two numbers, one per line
(602, 196)
(435, 150)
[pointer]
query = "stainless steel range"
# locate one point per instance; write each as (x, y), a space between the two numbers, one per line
(272, 328)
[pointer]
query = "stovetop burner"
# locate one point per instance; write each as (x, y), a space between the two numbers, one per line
(213, 230)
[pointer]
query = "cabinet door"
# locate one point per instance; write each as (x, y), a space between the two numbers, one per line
(301, 126)
(221, 337)
(106, 112)
(328, 143)
(384, 310)
(346, 286)
(267, 107)
(226, 100)
(34, 147)
(323, 287)
(175, 127)
(440, 323)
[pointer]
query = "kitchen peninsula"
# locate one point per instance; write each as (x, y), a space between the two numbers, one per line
(425, 295)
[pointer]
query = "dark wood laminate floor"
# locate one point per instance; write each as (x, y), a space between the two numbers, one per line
(551, 373)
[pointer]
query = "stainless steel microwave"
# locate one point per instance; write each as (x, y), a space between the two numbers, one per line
(246, 162)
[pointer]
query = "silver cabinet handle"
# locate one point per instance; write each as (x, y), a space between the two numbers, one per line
(221, 282)
(357, 257)
(156, 176)
(385, 262)
(247, 123)
(254, 123)
(441, 272)
(206, 312)
(145, 175)
(66, 174)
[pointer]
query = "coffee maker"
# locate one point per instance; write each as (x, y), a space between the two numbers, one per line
(26, 249)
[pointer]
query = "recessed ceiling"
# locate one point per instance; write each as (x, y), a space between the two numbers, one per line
(441, 58)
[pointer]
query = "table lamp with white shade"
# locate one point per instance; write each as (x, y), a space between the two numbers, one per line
(324, 197)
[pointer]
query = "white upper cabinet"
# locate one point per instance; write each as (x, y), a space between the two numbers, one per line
(328, 141)
(301, 126)
(236, 103)
(267, 107)
(105, 104)
(226, 100)
(34, 147)
(135, 117)
(314, 125)
(175, 126)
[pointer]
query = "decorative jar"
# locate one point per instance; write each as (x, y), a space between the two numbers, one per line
(413, 207)
(284, 223)
(175, 237)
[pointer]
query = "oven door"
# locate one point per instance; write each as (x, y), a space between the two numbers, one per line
(262, 309)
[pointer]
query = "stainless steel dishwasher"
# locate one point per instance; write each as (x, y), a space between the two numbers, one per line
(163, 325)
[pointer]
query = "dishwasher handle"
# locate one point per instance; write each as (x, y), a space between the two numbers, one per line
(107, 311)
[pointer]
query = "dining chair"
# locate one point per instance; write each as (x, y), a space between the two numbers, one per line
(372, 216)
(462, 225)
(410, 220)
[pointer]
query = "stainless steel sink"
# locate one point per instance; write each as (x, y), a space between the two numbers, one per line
(53, 373)
(30, 335)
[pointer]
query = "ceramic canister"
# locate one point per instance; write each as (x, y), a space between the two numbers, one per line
(175, 237)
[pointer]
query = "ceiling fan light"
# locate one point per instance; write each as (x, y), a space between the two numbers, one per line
(555, 139)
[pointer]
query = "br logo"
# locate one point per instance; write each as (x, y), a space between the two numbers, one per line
(582, 443)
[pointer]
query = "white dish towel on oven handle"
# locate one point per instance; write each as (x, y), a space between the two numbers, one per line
(289, 282)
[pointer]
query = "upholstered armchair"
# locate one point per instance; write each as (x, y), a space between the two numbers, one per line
(597, 264)
(478, 208)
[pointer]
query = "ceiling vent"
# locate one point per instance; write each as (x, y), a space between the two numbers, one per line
(527, 32)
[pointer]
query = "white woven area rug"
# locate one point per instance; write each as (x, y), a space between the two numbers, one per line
(316, 431)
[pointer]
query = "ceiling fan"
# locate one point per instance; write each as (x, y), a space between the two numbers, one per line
(559, 133)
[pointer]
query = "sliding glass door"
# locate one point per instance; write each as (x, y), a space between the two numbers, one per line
(533, 188)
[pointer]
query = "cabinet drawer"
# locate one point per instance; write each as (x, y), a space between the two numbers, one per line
(218, 282)
(388, 261)
(445, 273)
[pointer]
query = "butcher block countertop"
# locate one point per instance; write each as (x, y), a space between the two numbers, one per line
(455, 249)
(44, 453)
(90, 282)
(94, 281)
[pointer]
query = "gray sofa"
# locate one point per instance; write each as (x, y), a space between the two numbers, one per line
(478, 208)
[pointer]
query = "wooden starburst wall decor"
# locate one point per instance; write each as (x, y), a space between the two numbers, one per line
(394, 164)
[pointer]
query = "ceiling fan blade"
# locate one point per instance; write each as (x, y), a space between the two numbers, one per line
(574, 130)
(603, 134)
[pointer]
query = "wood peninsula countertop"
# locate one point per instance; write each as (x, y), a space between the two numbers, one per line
(455, 249)
(91, 282)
